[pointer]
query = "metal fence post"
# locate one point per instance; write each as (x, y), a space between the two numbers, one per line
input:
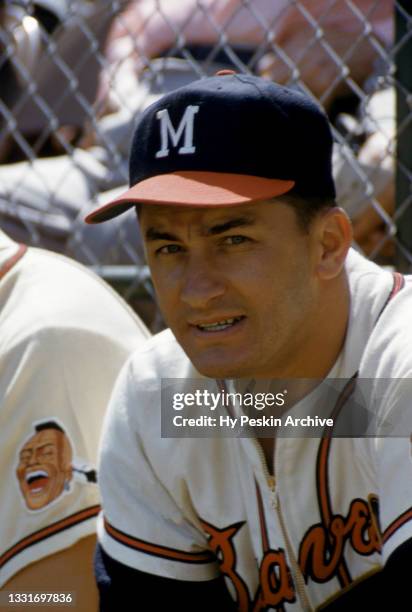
(403, 60)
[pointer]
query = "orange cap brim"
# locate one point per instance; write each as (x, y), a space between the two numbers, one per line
(193, 188)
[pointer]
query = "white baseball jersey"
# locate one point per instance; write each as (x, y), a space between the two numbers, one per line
(64, 336)
(329, 516)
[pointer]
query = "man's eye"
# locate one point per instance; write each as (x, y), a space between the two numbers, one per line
(235, 240)
(169, 249)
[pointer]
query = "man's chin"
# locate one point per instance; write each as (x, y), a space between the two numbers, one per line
(220, 361)
(222, 370)
(36, 503)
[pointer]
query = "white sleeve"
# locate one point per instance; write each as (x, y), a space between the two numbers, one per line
(387, 364)
(141, 525)
(54, 388)
(394, 467)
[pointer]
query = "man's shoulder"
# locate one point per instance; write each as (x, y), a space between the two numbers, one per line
(46, 292)
(161, 357)
(62, 275)
(388, 354)
(370, 286)
(379, 330)
(364, 273)
(143, 386)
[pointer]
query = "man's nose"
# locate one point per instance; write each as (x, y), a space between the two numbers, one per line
(202, 284)
(32, 460)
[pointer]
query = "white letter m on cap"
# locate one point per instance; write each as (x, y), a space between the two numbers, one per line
(185, 126)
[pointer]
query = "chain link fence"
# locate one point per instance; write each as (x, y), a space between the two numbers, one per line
(76, 74)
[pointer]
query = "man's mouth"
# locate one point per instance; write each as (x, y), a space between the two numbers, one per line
(37, 480)
(217, 326)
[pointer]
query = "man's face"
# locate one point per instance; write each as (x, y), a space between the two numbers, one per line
(44, 466)
(235, 284)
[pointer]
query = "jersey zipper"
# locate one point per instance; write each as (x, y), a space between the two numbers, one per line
(299, 580)
(275, 504)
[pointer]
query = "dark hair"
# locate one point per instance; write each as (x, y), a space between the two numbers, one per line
(306, 209)
(48, 425)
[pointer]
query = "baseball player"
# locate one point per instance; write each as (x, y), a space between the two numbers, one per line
(64, 336)
(254, 273)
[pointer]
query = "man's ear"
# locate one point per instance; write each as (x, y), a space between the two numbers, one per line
(333, 235)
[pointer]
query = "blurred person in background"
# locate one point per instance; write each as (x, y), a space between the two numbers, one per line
(331, 49)
(64, 335)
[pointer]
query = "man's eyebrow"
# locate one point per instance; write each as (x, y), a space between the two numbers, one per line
(220, 228)
(45, 445)
(154, 234)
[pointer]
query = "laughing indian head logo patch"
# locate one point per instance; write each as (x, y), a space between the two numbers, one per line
(45, 466)
(44, 471)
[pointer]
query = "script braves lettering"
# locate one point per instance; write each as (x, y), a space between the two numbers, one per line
(320, 558)
(321, 551)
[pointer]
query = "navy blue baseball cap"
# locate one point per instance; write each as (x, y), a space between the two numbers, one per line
(226, 140)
